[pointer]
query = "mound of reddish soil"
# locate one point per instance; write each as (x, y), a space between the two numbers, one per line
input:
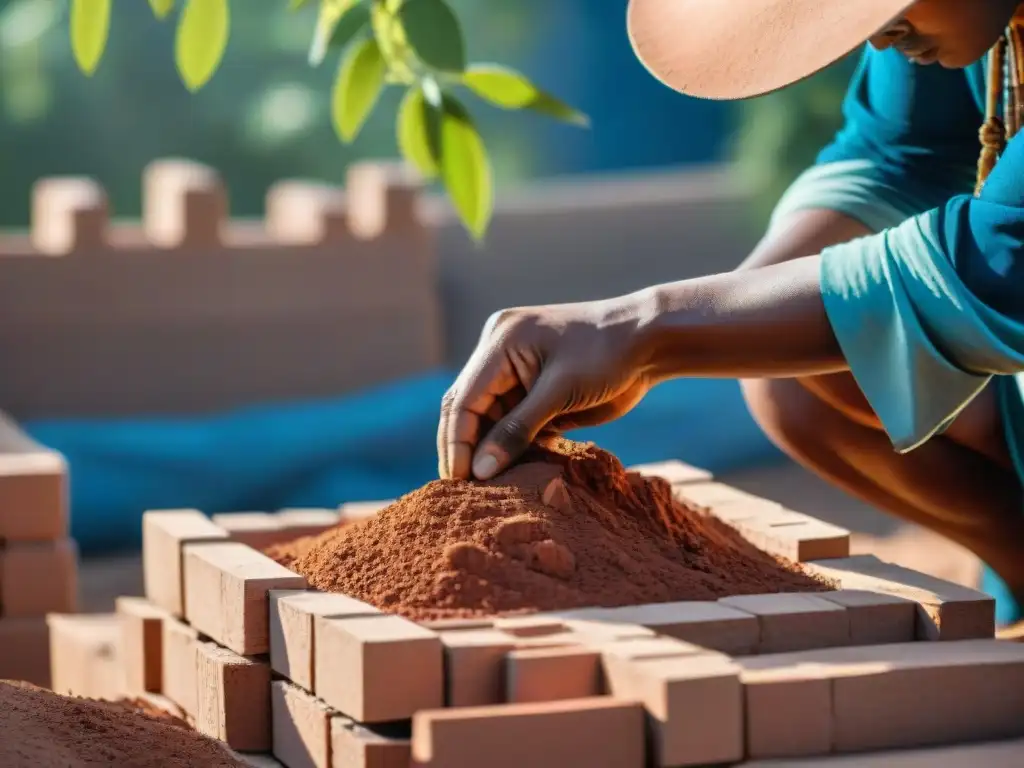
(566, 528)
(41, 729)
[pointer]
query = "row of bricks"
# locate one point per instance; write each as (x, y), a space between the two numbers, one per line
(185, 205)
(166, 533)
(33, 495)
(403, 668)
(697, 708)
(701, 707)
(37, 578)
(222, 589)
(232, 697)
(764, 523)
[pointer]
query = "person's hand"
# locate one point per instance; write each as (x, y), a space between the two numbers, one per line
(540, 369)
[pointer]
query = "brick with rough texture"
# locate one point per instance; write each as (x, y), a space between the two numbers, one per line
(179, 663)
(596, 733)
(787, 709)
(142, 629)
(905, 695)
(37, 578)
(552, 674)
(876, 618)
(302, 727)
(33, 496)
(794, 622)
(84, 655)
(674, 471)
(233, 698)
(164, 534)
(379, 668)
(291, 629)
(796, 536)
(474, 665)
(946, 611)
(725, 502)
(226, 592)
(25, 650)
(355, 745)
(694, 705)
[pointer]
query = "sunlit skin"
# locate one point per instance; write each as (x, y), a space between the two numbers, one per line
(558, 367)
(953, 33)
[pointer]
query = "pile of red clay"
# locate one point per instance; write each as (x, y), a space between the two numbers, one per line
(41, 729)
(568, 527)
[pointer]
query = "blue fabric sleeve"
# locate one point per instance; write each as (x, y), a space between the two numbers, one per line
(909, 144)
(928, 311)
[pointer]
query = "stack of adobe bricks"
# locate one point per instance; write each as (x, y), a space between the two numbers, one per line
(38, 562)
(291, 676)
(332, 291)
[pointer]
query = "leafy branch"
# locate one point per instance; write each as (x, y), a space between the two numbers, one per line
(416, 45)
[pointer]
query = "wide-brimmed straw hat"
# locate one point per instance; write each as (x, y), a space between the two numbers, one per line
(734, 49)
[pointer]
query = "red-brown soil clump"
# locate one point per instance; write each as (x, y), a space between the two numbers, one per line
(41, 729)
(600, 536)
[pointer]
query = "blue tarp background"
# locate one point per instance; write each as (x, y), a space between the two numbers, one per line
(376, 444)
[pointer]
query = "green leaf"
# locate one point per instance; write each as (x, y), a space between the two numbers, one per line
(357, 87)
(465, 168)
(294, 5)
(508, 89)
(434, 33)
(418, 132)
(202, 37)
(338, 22)
(161, 8)
(90, 28)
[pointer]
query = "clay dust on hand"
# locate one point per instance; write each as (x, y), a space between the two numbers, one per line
(568, 527)
(42, 729)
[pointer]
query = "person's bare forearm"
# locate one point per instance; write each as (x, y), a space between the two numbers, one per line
(766, 319)
(757, 323)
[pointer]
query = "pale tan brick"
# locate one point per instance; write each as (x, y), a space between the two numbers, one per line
(795, 622)
(226, 592)
(164, 534)
(302, 727)
(529, 626)
(694, 705)
(142, 628)
(552, 674)
(377, 669)
(84, 655)
(179, 663)
(796, 536)
(946, 611)
(674, 471)
(355, 745)
(725, 502)
(474, 666)
(258, 530)
(787, 708)
(596, 733)
(233, 698)
(291, 629)
(875, 617)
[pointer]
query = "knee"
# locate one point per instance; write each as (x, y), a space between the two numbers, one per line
(785, 412)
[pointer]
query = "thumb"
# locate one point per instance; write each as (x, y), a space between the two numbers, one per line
(511, 436)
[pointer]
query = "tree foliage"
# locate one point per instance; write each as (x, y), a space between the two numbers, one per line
(415, 45)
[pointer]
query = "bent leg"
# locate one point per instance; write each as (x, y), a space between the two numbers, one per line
(968, 495)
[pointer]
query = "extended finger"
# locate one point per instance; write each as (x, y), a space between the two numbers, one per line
(513, 434)
(480, 385)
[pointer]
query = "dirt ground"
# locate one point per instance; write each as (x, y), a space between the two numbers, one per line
(104, 579)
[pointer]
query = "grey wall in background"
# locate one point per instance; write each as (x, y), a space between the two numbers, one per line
(589, 239)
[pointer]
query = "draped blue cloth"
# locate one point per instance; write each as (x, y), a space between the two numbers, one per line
(928, 310)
